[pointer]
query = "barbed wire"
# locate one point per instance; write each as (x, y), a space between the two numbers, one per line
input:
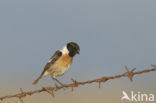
(129, 73)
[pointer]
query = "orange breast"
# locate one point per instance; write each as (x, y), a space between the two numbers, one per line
(64, 61)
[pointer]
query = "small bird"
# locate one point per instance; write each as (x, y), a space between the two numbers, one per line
(60, 62)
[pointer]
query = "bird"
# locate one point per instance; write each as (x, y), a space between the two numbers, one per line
(60, 62)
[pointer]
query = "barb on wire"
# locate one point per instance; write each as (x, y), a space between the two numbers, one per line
(130, 74)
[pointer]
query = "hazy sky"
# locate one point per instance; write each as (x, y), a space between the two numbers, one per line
(111, 34)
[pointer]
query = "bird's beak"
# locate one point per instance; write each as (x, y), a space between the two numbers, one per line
(78, 52)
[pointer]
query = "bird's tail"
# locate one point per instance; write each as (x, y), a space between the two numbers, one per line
(36, 81)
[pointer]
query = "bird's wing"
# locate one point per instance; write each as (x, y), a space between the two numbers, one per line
(52, 60)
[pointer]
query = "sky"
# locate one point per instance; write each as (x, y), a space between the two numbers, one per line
(110, 33)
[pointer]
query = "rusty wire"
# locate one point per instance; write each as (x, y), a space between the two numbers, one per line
(130, 74)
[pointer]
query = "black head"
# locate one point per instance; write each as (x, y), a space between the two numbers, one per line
(73, 48)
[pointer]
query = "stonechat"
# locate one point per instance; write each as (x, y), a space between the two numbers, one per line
(60, 62)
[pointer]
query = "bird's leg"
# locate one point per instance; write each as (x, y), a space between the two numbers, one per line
(55, 83)
(59, 82)
(55, 80)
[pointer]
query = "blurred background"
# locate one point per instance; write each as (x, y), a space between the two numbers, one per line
(111, 34)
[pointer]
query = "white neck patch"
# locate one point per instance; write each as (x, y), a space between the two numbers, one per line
(64, 50)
